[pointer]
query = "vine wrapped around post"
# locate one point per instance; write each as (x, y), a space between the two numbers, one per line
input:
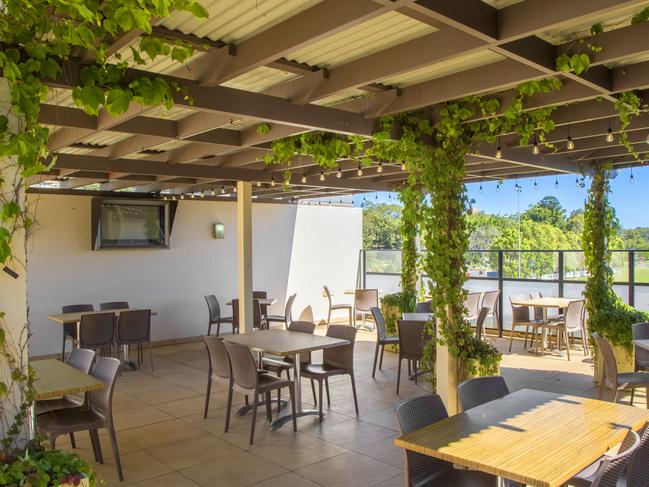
(412, 199)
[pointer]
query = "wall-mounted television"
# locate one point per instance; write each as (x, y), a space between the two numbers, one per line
(131, 224)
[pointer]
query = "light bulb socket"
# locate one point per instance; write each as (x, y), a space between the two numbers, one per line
(379, 168)
(570, 143)
(609, 135)
(536, 149)
(499, 153)
(339, 174)
(303, 179)
(360, 170)
(322, 176)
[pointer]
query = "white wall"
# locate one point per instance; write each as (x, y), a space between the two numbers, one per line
(295, 249)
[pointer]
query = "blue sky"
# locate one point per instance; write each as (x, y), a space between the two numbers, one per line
(628, 199)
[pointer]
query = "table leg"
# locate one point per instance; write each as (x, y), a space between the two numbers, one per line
(126, 362)
(299, 412)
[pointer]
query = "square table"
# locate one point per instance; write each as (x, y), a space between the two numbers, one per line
(534, 437)
(262, 301)
(642, 344)
(54, 378)
(287, 343)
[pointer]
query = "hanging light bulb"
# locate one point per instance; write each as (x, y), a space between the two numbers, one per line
(498, 187)
(193, 196)
(403, 166)
(569, 143)
(322, 176)
(259, 184)
(535, 148)
(182, 196)
(499, 153)
(536, 186)
(303, 178)
(212, 192)
(379, 168)
(202, 193)
(234, 188)
(556, 183)
(272, 181)
(164, 197)
(480, 189)
(577, 181)
(173, 197)
(222, 189)
(339, 174)
(631, 178)
(360, 170)
(609, 135)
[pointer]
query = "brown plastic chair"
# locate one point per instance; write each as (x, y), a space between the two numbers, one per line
(490, 301)
(261, 295)
(424, 307)
(70, 329)
(335, 361)
(98, 415)
(97, 332)
(382, 338)
(521, 317)
(479, 390)
(113, 305)
(364, 301)
(248, 380)
(412, 340)
(611, 379)
(134, 328)
(472, 304)
(219, 370)
(215, 314)
(640, 331)
(334, 307)
(287, 317)
(572, 323)
(479, 323)
(258, 320)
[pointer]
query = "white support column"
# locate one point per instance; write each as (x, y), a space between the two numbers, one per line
(244, 254)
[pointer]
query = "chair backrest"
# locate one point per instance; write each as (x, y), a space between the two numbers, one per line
(213, 307)
(425, 307)
(479, 324)
(608, 357)
(77, 308)
(101, 402)
(113, 305)
(81, 359)
(413, 414)
(328, 294)
(306, 314)
(242, 365)
(97, 330)
(490, 300)
(471, 303)
(520, 314)
(134, 326)
(288, 310)
(381, 331)
(260, 294)
(640, 332)
(256, 313)
(365, 299)
(302, 327)
(574, 315)
(480, 390)
(538, 310)
(612, 467)
(411, 338)
(341, 356)
(638, 469)
(218, 356)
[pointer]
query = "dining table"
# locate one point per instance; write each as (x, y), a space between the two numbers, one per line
(53, 379)
(289, 344)
(642, 343)
(537, 438)
(262, 301)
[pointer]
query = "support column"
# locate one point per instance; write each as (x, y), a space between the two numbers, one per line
(244, 255)
(446, 376)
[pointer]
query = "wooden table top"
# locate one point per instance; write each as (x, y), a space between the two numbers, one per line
(262, 301)
(537, 438)
(642, 344)
(282, 342)
(55, 378)
(547, 302)
(74, 317)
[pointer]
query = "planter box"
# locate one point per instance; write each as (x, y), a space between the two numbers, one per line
(84, 482)
(624, 362)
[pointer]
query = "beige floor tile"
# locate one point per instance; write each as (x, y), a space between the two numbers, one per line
(170, 480)
(160, 433)
(192, 451)
(123, 402)
(393, 482)
(167, 393)
(385, 451)
(353, 434)
(137, 466)
(287, 480)
(139, 417)
(84, 448)
(190, 406)
(348, 469)
(299, 451)
(233, 471)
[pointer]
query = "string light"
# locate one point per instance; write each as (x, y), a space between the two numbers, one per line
(569, 143)
(403, 165)
(536, 186)
(535, 148)
(609, 135)
(498, 187)
(339, 174)
(222, 189)
(272, 181)
(202, 193)
(212, 192)
(518, 188)
(631, 178)
(164, 197)
(259, 184)
(480, 189)
(234, 188)
(182, 196)
(303, 178)
(173, 197)
(322, 176)
(193, 195)
(379, 169)
(556, 183)
(360, 170)
(499, 153)
(577, 181)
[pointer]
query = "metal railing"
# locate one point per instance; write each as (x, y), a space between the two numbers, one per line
(555, 272)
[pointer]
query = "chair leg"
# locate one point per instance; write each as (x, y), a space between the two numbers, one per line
(63, 349)
(414, 367)
(381, 358)
(209, 330)
(326, 381)
(207, 397)
(229, 409)
(511, 338)
(565, 334)
(100, 455)
(354, 392)
(94, 445)
(527, 332)
(320, 399)
(255, 403)
(329, 317)
(632, 394)
(72, 442)
(315, 400)
(352, 320)
(291, 391)
(398, 375)
(269, 412)
(113, 444)
(409, 369)
(376, 356)
(151, 355)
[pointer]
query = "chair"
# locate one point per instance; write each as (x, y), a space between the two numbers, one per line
(521, 317)
(382, 338)
(472, 304)
(335, 361)
(280, 364)
(638, 470)
(611, 379)
(479, 323)
(287, 317)
(426, 471)
(215, 314)
(70, 329)
(134, 328)
(111, 305)
(257, 319)
(261, 295)
(425, 307)
(364, 301)
(98, 415)
(640, 331)
(572, 323)
(306, 315)
(411, 345)
(97, 332)
(249, 381)
(219, 370)
(334, 307)
(479, 390)
(490, 301)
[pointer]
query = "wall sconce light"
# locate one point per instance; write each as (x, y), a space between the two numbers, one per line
(219, 231)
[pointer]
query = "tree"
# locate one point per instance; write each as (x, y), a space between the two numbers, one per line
(548, 210)
(636, 238)
(575, 222)
(381, 226)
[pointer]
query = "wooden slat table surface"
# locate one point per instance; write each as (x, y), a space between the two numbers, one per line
(547, 302)
(642, 344)
(55, 378)
(534, 437)
(74, 317)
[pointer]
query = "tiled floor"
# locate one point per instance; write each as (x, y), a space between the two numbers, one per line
(164, 440)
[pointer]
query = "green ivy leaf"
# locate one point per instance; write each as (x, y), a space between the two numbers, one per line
(117, 101)
(90, 98)
(197, 10)
(643, 16)
(563, 63)
(597, 28)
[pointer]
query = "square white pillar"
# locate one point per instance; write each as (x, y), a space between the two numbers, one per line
(244, 255)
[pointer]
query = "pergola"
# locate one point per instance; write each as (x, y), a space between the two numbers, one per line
(300, 65)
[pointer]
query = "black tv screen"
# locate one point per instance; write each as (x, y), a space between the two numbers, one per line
(131, 224)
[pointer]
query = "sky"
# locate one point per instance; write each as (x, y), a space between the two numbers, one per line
(627, 198)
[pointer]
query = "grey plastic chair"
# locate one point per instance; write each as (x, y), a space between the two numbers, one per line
(571, 324)
(287, 317)
(382, 338)
(479, 390)
(425, 307)
(219, 370)
(215, 314)
(520, 318)
(70, 329)
(98, 415)
(333, 307)
(423, 470)
(364, 301)
(335, 361)
(261, 295)
(613, 381)
(97, 332)
(134, 328)
(412, 340)
(113, 305)
(472, 305)
(258, 320)
(490, 301)
(249, 381)
(479, 323)
(640, 331)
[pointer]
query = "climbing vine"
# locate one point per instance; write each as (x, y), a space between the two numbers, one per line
(412, 199)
